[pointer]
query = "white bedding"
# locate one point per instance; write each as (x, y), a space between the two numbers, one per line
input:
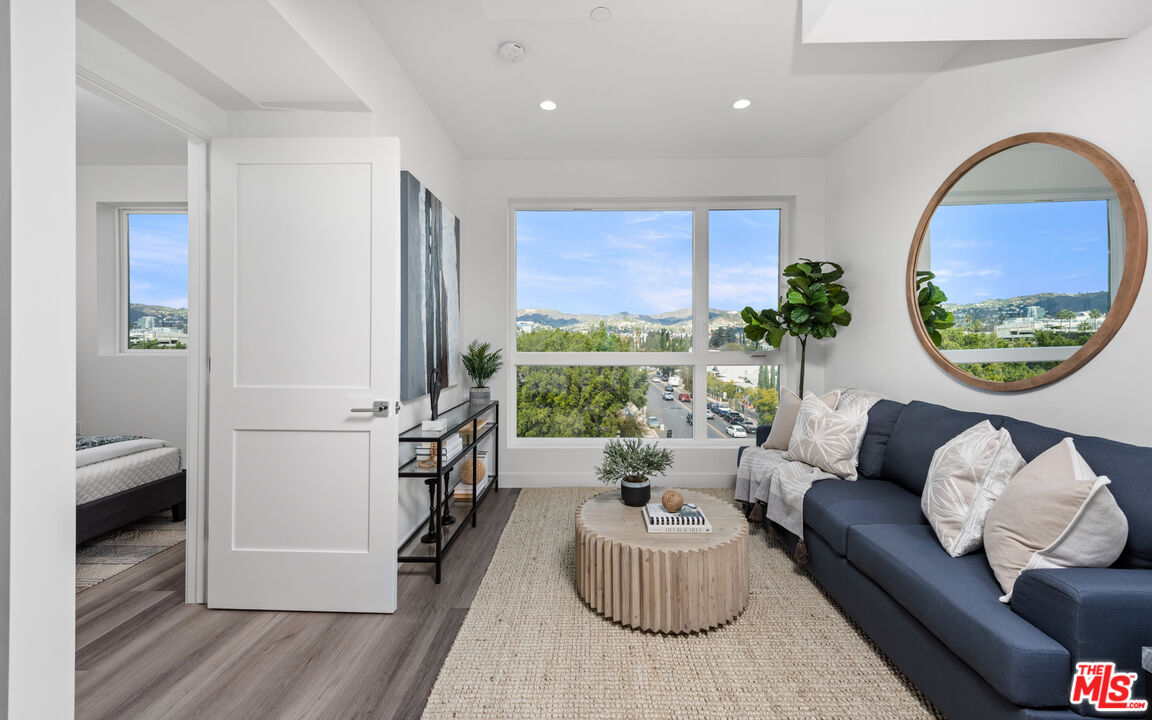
(99, 479)
(101, 453)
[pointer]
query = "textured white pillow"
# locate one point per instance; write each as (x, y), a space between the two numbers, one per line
(1055, 513)
(966, 476)
(785, 419)
(827, 438)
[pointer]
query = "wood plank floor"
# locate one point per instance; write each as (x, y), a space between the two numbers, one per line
(141, 653)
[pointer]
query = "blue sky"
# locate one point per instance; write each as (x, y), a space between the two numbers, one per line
(604, 262)
(158, 259)
(995, 251)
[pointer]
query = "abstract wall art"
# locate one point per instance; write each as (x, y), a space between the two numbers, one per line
(430, 290)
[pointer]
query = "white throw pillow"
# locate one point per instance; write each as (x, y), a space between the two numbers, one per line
(1054, 513)
(785, 420)
(966, 476)
(827, 438)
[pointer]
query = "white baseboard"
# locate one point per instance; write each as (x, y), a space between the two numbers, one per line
(574, 479)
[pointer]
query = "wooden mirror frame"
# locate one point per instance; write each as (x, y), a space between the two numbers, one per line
(1135, 258)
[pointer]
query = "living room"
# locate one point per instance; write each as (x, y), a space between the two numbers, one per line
(855, 120)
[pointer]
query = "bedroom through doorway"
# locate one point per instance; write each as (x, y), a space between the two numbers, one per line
(133, 339)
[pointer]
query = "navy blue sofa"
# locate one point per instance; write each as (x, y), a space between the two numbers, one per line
(938, 618)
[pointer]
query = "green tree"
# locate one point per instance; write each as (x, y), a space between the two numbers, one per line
(578, 401)
(813, 306)
(765, 401)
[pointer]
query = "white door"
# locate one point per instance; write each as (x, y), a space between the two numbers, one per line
(304, 328)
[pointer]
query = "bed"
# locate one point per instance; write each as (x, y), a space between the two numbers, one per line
(122, 478)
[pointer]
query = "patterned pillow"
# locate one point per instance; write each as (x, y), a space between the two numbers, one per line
(966, 476)
(785, 420)
(1055, 513)
(827, 438)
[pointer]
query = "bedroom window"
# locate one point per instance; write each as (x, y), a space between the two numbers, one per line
(618, 309)
(153, 279)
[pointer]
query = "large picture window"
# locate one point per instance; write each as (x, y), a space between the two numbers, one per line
(154, 279)
(618, 310)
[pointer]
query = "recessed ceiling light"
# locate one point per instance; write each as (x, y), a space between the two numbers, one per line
(547, 105)
(741, 103)
(512, 51)
(600, 14)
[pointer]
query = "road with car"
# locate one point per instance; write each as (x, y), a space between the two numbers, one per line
(673, 414)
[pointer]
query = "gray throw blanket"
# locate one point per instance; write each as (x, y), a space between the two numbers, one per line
(778, 486)
(83, 442)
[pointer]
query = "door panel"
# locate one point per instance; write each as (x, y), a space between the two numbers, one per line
(304, 328)
(305, 491)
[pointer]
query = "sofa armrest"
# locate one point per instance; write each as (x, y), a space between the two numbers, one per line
(1097, 614)
(762, 433)
(761, 436)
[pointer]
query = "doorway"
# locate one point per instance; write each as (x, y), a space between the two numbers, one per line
(140, 201)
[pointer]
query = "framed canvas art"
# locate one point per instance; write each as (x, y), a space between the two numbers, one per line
(430, 290)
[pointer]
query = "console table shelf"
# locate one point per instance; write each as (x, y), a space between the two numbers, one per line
(430, 542)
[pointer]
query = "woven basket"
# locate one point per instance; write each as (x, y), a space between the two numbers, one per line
(470, 475)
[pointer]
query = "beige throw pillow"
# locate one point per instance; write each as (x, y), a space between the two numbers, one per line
(827, 438)
(1055, 513)
(785, 420)
(966, 476)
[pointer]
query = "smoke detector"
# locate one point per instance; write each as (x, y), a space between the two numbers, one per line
(601, 14)
(512, 51)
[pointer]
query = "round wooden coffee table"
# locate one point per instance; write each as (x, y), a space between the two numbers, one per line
(671, 583)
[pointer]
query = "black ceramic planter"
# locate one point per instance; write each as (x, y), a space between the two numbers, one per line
(635, 494)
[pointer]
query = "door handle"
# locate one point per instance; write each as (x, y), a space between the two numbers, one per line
(379, 408)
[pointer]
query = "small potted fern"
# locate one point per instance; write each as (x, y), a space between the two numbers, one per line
(632, 462)
(481, 362)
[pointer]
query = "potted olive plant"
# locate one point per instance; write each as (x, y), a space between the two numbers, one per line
(481, 362)
(632, 462)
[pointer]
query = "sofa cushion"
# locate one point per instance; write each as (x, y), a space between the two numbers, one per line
(967, 474)
(957, 600)
(827, 439)
(881, 419)
(832, 506)
(1056, 513)
(1098, 614)
(1128, 467)
(784, 423)
(921, 428)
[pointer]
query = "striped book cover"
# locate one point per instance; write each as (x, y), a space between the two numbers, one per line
(690, 519)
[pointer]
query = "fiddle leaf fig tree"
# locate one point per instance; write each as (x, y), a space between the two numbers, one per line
(931, 298)
(813, 307)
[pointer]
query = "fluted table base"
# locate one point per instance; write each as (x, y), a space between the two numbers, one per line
(670, 583)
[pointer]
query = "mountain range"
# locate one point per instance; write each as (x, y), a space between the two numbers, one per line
(675, 318)
(166, 316)
(1053, 303)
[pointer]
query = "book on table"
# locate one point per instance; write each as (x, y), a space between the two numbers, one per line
(450, 448)
(464, 491)
(689, 520)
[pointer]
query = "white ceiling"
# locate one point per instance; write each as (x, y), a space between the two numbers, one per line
(240, 54)
(656, 80)
(108, 133)
(853, 21)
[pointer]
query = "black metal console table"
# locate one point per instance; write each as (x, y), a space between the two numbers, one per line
(430, 542)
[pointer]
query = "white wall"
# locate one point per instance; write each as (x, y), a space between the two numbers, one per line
(486, 285)
(117, 393)
(37, 371)
(881, 179)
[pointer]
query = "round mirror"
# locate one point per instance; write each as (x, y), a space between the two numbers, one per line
(1026, 261)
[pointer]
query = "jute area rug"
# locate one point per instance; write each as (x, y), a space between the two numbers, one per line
(114, 552)
(530, 648)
